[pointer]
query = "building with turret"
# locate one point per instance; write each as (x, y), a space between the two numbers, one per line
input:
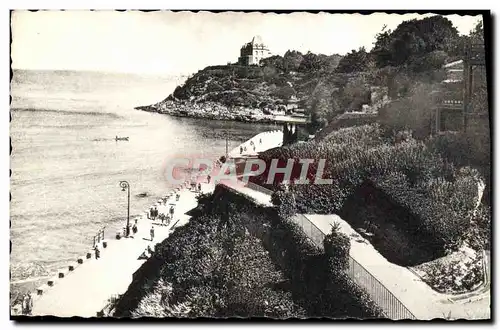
(251, 53)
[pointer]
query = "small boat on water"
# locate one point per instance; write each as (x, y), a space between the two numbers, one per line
(121, 138)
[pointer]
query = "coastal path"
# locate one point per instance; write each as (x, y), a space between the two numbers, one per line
(85, 290)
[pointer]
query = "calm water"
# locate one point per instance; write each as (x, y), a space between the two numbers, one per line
(66, 165)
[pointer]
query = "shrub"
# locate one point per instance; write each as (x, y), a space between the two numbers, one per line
(285, 202)
(157, 304)
(337, 246)
(479, 236)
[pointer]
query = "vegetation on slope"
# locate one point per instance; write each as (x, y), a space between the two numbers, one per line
(442, 197)
(273, 83)
(225, 263)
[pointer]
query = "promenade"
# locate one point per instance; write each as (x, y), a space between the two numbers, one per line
(86, 290)
(262, 142)
(424, 302)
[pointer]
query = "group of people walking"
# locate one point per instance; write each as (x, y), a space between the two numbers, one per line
(244, 148)
(153, 213)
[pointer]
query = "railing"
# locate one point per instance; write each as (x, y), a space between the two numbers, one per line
(98, 237)
(391, 306)
(310, 229)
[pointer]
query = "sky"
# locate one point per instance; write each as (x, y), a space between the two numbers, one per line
(184, 42)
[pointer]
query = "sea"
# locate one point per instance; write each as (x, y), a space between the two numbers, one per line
(66, 164)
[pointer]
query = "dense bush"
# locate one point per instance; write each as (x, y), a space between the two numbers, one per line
(285, 202)
(479, 236)
(439, 195)
(216, 266)
(214, 269)
(337, 246)
(411, 112)
(470, 149)
(455, 276)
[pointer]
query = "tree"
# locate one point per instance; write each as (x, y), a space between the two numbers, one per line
(477, 34)
(414, 39)
(284, 93)
(292, 60)
(412, 112)
(275, 61)
(330, 63)
(337, 246)
(355, 93)
(355, 61)
(381, 51)
(310, 63)
(320, 106)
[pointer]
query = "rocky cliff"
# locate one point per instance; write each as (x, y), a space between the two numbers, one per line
(238, 92)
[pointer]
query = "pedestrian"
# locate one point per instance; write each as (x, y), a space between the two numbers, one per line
(208, 178)
(26, 304)
(177, 196)
(29, 303)
(155, 213)
(260, 140)
(152, 233)
(134, 227)
(172, 211)
(151, 212)
(199, 187)
(97, 252)
(241, 150)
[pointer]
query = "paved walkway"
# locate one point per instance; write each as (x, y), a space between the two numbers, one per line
(86, 290)
(262, 142)
(416, 295)
(257, 196)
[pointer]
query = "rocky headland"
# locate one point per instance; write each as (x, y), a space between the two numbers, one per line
(279, 86)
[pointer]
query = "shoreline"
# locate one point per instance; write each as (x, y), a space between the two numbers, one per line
(40, 283)
(213, 111)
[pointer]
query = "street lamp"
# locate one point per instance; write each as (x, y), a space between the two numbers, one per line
(125, 185)
(226, 146)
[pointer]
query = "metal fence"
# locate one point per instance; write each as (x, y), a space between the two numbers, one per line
(98, 237)
(391, 306)
(310, 229)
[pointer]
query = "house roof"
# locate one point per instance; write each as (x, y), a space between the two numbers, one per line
(257, 40)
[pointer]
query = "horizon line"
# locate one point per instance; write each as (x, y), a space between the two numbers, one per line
(149, 73)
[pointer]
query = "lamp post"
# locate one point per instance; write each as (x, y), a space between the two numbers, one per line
(226, 146)
(125, 185)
